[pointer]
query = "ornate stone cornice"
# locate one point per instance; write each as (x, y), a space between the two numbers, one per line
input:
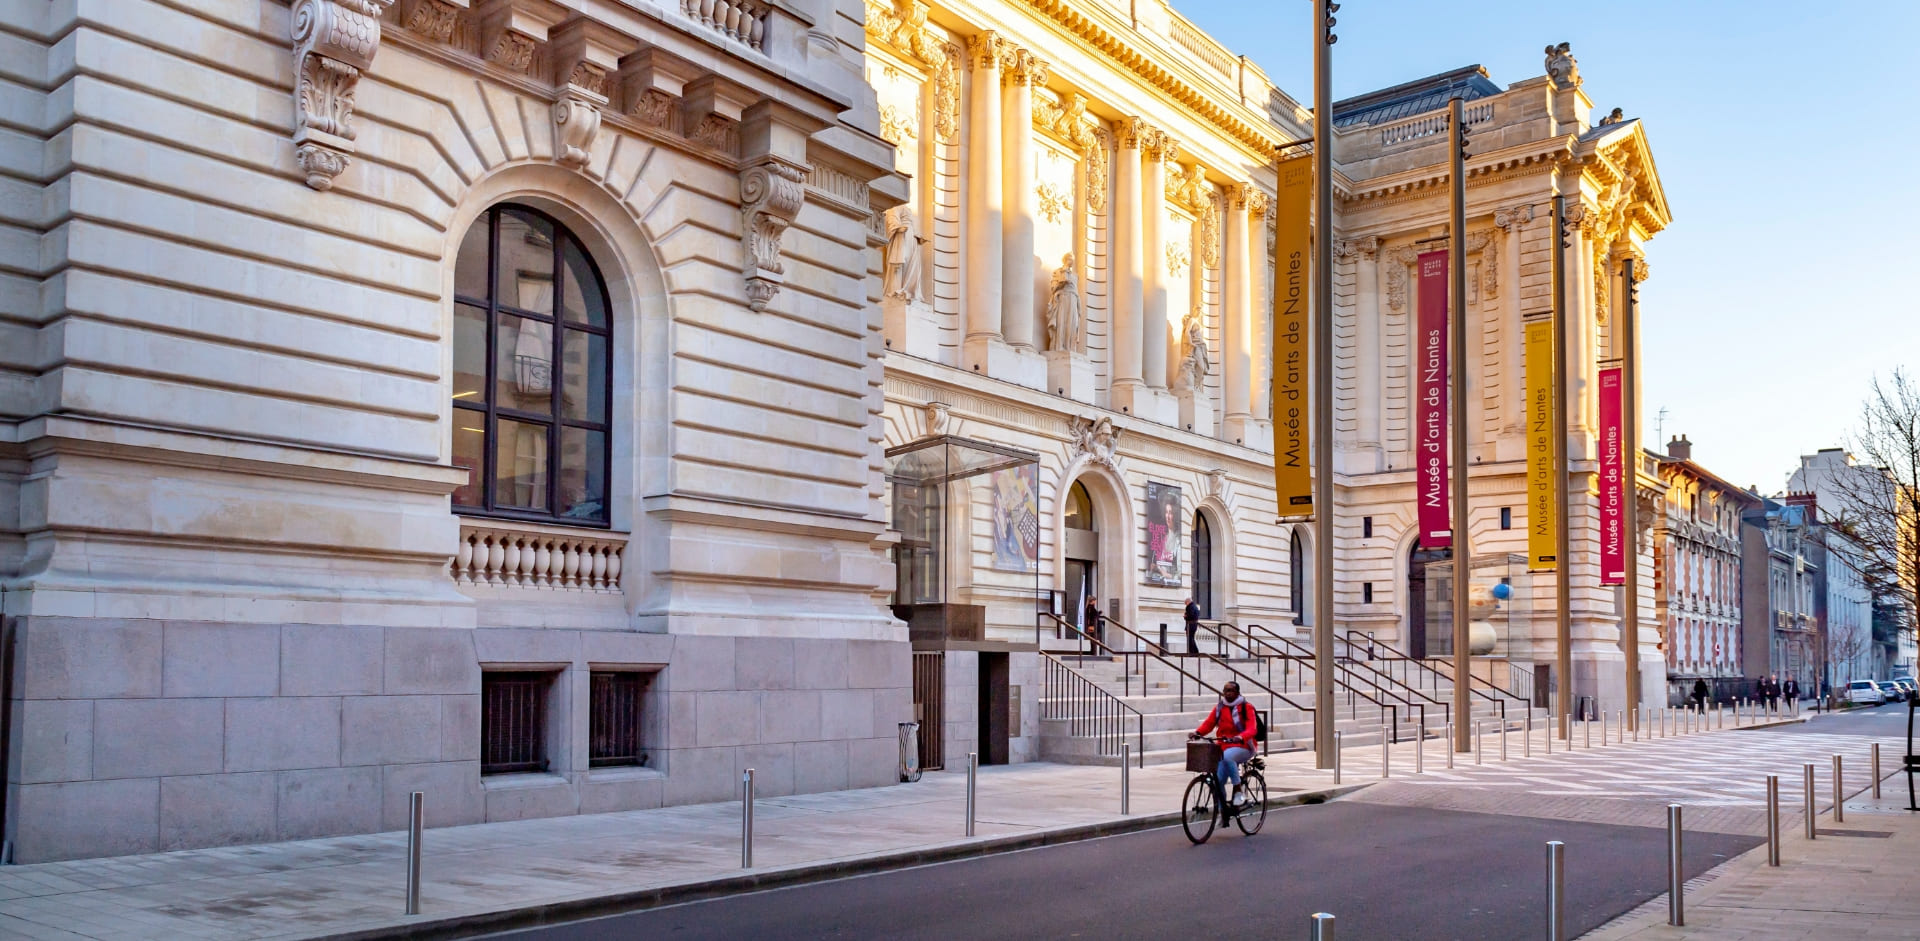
(333, 40)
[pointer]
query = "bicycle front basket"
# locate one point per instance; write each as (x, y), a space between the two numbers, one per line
(1203, 756)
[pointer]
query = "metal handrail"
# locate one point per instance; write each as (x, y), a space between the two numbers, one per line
(1305, 656)
(1146, 649)
(1395, 688)
(1089, 710)
(1499, 702)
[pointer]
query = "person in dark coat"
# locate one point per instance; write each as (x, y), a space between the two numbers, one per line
(1791, 690)
(1192, 617)
(1091, 623)
(1700, 695)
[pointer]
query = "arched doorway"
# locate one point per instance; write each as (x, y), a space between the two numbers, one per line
(1080, 580)
(1203, 565)
(1429, 617)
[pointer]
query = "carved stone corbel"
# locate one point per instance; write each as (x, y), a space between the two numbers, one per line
(584, 57)
(432, 19)
(771, 194)
(510, 30)
(332, 41)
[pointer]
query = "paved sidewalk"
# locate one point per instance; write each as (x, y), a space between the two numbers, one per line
(1855, 882)
(356, 885)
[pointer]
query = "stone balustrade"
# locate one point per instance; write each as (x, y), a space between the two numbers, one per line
(740, 20)
(512, 555)
(1433, 124)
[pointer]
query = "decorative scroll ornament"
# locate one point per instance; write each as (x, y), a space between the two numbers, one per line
(1097, 170)
(936, 417)
(1187, 186)
(575, 122)
(332, 41)
(432, 19)
(946, 92)
(771, 193)
(1398, 260)
(1210, 231)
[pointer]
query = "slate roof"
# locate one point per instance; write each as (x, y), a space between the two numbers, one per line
(1416, 97)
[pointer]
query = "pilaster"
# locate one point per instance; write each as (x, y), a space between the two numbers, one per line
(985, 343)
(1125, 264)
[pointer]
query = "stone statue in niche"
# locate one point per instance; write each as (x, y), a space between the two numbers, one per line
(1064, 313)
(903, 255)
(1561, 66)
(1197, 364)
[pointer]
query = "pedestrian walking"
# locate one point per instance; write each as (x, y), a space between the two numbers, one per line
(1092, 624)
(1700, 695)
(1791, 690)
(1192, 616)
(1772, 692)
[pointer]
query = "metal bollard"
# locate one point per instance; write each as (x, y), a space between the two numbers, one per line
(1773, 820)
(1587, 732)
(1839, 794)
(973, 771)
(1420, 750)
(1386, 754)
(1449, 748)
(1126, 790)
(416, 823)
(1526, 744)
(1603, 728)
(1636, 724)
(1676, 886)
(746, 820)
(1620, 719)
(1336, 756)
(1548, 738)
(1809, 801)
(1719, 717)
(1322, 927)
(1503, 739)
(1476, 740)
(1556, 891)
(1876, 770)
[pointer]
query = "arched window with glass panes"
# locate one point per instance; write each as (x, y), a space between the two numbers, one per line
(532, 367)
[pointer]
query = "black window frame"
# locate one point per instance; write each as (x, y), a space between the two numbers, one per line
(620, 746)
(528, 712)
(555, 421)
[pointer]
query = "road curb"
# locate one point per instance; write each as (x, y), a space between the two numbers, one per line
(551, 913)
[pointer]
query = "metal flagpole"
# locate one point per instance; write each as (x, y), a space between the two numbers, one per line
(1630, 513)
(1457, 393)
(1322, 361)
(1563, 480)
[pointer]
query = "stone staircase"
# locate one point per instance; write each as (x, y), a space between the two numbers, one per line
(1171, 706)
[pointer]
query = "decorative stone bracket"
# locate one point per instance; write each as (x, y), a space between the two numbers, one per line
(333, 40)
(585, 56)
(771, 194)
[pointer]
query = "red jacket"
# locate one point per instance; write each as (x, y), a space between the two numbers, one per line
(1233, 730)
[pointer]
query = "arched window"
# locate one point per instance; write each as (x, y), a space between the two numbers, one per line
(532, 369)
(1079, 511)
(1299, 578)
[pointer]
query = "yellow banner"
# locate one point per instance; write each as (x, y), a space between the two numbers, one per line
(1292, 470)
(1542, 505)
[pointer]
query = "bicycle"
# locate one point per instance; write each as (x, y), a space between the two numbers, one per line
(1205, 805)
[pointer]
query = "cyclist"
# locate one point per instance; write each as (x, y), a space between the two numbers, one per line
(1235, 726)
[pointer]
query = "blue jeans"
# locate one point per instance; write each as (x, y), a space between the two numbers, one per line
(1230, 759)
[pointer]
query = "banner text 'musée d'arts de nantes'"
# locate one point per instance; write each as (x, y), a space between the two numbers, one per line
(1542, 457)
(1430, 445)
(1292, 474)
(1613, 476)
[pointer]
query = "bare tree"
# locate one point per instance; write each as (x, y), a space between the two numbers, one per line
(1880, 496)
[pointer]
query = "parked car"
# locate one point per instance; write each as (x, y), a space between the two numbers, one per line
(1893, 690)
(1906, 683)
(1865, 693)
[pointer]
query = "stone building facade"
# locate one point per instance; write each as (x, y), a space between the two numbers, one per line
(1697, 587)
(277, 277)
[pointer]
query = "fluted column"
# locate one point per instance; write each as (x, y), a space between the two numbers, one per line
(1018, 285)
(1581, 417)
(1367, 343)
(1125, 262)
(985, 193)
(1260, 312)
(1236, 372)
(1153, 251)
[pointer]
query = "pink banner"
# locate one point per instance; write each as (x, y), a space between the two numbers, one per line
(1613, 476)
(1430, 431)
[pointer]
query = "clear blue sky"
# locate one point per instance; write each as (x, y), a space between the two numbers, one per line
(1788, 142)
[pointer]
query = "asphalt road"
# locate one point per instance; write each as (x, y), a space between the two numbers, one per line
(1888, 720)
(1385, 872)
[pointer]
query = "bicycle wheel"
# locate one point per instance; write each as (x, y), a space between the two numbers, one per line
(1198, 813)
(1251, 817)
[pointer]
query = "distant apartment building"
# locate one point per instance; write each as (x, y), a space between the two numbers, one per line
(1697, 553)
(1835, 480)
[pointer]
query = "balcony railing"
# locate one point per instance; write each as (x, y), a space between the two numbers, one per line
(512, 555)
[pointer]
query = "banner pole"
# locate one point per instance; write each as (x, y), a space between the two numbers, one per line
(1322, 398)
(1630, 484)
(1457, 367)
(1563, 485)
